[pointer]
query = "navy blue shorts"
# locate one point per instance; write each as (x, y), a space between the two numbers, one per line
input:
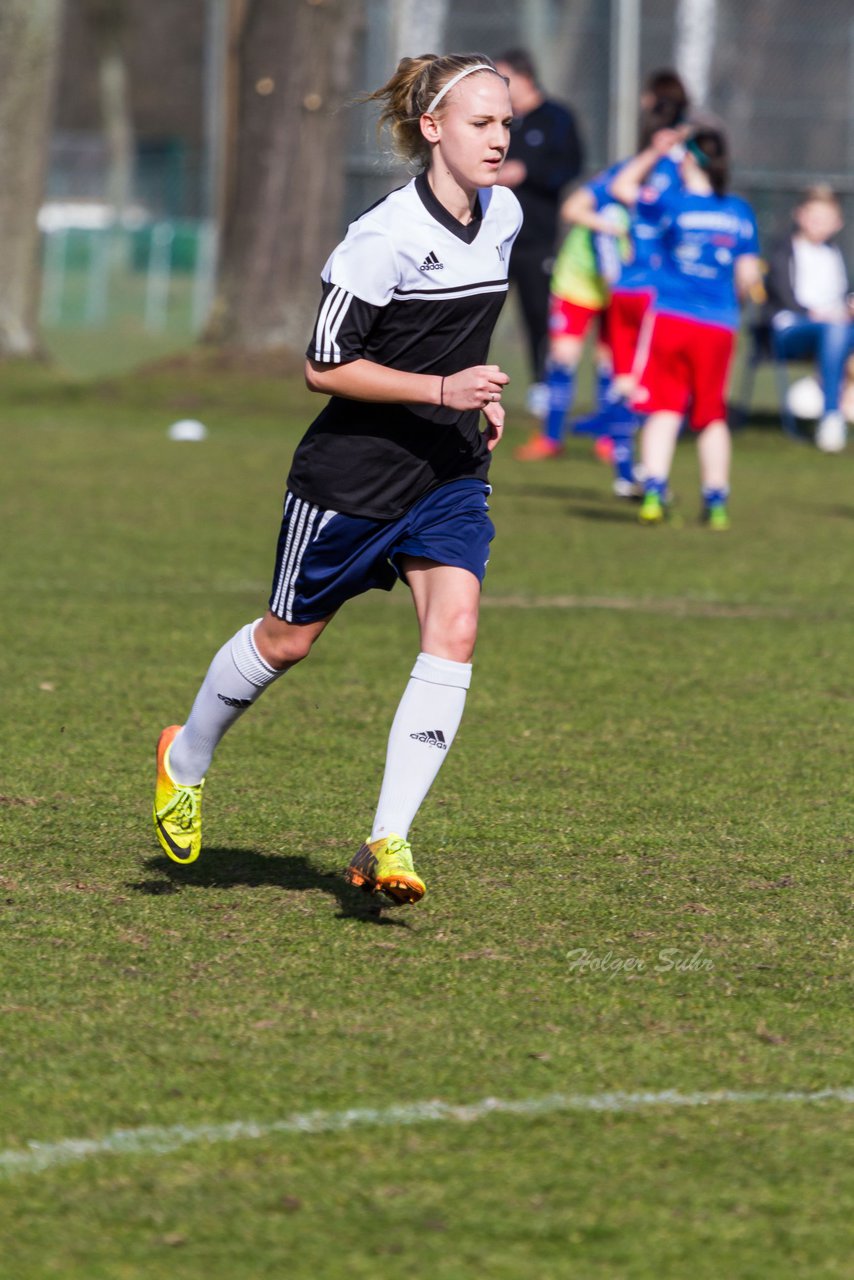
(325, 558)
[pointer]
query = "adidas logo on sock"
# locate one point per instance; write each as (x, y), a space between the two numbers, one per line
(433, 738)
(431, 263)
(234, 702)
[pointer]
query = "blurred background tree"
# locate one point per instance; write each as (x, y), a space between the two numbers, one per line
(29, 39)
(286, 169)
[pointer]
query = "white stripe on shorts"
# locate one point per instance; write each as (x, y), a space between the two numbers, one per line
(317, 528)
(299, 513)
(305, 523)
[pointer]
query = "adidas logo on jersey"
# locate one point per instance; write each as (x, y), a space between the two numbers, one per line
(431, 263)
(433, 738)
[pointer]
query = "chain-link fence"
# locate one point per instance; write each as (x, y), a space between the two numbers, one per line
(779, 75)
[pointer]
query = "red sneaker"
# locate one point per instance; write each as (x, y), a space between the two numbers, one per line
(604, 450)
(537, 448)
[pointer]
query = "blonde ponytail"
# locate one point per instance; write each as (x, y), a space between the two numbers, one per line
(409, 92)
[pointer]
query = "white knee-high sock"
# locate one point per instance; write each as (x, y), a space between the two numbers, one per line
(424, 727)
(237, 676)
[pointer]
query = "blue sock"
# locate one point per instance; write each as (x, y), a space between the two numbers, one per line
(604, 387)
(624, 458)
(658, 487)
(560, 381)
(715, 497)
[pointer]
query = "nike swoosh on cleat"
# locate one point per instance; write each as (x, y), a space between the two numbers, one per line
(180, 852)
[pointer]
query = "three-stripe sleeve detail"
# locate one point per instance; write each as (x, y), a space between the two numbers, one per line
(329, 321)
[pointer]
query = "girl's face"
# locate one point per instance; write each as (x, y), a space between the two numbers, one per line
(472, 130)
(818, 220)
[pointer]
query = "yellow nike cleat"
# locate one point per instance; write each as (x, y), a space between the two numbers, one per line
(716, 517)
(386, 867)
(177, 807)
(652, 509)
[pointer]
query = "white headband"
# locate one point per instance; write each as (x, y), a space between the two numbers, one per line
(467, 71)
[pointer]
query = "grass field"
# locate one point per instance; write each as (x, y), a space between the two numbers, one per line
(656, 758)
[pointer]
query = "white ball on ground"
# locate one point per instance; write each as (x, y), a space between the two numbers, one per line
(805, 399)
(188, 429)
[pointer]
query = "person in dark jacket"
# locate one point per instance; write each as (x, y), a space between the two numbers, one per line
(545, 154)
(809, 307)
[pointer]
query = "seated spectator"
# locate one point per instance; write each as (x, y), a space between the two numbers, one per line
(809, 305)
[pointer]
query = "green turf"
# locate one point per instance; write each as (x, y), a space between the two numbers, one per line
(656, 755)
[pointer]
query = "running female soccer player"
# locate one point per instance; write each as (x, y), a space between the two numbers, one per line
(710, 259)
(389, 481)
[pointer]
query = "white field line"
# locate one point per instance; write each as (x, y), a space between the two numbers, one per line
(36, 1157)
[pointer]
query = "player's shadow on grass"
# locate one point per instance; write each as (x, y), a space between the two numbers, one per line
(561, 492)
(838, 511)
(581, 501)
(231, 868)
(626, 513)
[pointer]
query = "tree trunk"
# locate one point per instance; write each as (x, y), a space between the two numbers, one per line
(29, 38)
(418, 26)
(288, 172)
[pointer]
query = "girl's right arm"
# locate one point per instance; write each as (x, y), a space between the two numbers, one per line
(366, 380)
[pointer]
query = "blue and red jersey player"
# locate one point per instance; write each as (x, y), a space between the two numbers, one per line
(633, 291)
(709, 262)
(617, 269)
(633, 287)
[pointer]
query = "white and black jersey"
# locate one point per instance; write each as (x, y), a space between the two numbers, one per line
(411, 288)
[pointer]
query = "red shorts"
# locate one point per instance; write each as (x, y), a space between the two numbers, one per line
(625, 314)
(571, 319)
(684, 361)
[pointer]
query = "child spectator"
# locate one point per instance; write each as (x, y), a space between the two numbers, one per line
(809, 305)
